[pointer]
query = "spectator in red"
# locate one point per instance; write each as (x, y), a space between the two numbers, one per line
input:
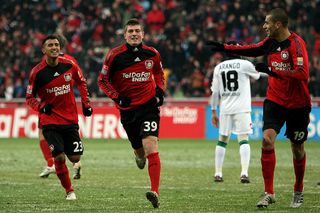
(155, 18)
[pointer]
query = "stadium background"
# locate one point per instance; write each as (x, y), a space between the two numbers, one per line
(178, 29)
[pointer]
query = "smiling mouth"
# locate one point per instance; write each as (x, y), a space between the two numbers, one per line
(54, 53)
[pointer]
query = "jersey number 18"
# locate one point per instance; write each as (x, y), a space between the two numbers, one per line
(230, 80)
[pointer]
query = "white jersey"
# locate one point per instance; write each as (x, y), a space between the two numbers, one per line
(231, 86)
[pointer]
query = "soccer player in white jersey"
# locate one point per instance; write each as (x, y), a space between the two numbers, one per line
(231, 91)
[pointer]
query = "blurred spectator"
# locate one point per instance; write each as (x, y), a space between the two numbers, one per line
(9, 89)
(181, 28)
(155, 18)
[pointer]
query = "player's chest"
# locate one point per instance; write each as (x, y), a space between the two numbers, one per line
(281, 60)
(60, 84)
(134, 61)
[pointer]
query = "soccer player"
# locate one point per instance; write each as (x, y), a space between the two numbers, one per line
(50, 169)
(52, 81)
(132, 76)
(231, 91)
(288, 100)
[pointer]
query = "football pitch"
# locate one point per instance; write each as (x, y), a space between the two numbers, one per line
(111, 182)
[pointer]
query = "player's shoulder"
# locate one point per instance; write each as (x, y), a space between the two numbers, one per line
(112, 53)
(67, 56)
(64, 59)
(42, 64)
(294, 35)
(296, 38)
(115, 51)
(118, 49)
(150, 48)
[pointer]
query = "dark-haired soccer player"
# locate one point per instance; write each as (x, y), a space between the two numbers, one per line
(52, 81)
(288, 99)
(50, 168)
(231, 91)
(132, 76)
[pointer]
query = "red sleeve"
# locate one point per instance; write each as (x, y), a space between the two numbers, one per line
(103, 81)
(82, 85)
(252, 50)
(31, 99)
(300, 62)
(158, 73)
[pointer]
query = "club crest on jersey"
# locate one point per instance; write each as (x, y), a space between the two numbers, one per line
(67, 76)
(149, 64)
(284, 55)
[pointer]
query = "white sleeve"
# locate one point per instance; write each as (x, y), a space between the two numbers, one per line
(214, 101)
(251, 70)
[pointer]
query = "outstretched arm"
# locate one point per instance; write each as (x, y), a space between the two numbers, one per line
(252, 50)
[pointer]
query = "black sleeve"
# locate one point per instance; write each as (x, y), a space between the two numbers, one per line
(254, 50)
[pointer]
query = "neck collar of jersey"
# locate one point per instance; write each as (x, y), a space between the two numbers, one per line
(134, 48)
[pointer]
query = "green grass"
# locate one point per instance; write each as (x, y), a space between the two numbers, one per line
(111, 182)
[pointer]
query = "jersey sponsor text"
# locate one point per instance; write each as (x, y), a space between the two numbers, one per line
(281, 65)
(137, 76)
(59, 90)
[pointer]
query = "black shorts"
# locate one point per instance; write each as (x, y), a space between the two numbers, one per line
(141, 122)
(297, 120)
(63, 138)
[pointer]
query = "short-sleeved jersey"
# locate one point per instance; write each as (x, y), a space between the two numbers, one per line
(231, 86)
(54, 86)
(134, 72)
(289, 60)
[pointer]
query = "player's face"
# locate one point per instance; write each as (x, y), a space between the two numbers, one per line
(271, 28)
(134, 35)
(51, 48)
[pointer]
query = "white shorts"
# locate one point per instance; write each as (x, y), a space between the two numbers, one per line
(235, 123)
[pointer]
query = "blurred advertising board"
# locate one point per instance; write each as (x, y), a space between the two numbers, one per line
(179, 120)
(176, 122)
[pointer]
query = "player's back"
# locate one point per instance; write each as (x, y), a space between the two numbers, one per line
(232, 82)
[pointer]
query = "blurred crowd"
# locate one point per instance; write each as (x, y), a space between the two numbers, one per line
(177, 28)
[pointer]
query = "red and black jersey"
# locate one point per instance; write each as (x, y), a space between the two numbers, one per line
(134, 72)
(289, 59)
(54, 86)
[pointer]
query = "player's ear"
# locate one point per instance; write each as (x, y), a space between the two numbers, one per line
(43, 49)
